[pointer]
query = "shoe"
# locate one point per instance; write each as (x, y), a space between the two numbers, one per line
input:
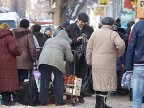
(60, 104)
(8, 103)
(81, 100)
(103, 102)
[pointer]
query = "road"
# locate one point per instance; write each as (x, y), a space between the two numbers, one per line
(113, 101)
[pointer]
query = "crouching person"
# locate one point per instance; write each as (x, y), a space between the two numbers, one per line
(51, 59)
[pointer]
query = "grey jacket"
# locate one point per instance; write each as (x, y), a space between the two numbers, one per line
(56, 50)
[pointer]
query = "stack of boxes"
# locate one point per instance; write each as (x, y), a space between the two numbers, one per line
(75, 87)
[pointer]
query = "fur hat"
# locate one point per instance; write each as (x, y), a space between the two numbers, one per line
(83, 17)
(24, 23)
(107, 21)
(4, 26)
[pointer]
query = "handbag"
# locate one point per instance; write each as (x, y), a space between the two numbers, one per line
(87, 86)
(126, 80)
(28, 93)
(80, 51)
(36, 75)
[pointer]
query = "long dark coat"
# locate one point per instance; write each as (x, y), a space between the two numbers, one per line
(74, 32)
(9, 81)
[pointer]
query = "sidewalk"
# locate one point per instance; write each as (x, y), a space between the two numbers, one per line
(113, 101)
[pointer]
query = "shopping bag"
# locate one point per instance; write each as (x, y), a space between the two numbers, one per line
(87, 86)
(126, 80)
(37, 76)
(28, 93)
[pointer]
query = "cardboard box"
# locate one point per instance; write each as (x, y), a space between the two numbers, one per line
(78, 82)
(73, 91)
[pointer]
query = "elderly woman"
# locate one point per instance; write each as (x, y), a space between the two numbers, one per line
(103, 48)
(55, 51)
(9, 82)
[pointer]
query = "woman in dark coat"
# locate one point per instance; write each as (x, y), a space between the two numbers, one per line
(9, 82)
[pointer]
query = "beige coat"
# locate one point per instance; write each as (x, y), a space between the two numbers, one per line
(103, 48)
(56, 50)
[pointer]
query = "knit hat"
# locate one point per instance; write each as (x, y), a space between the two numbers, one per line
(4, 26)
(64, 25)
(83, 17)
(107, 21)
(24, 23)
(36, 28)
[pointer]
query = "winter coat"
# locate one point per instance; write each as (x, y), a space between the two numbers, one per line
(9, 80)
(56, 31)
(103, 48)
(56, 50)
(135, 51)
(74, 32)
(45, 38)
(25, 41)
(39, 37)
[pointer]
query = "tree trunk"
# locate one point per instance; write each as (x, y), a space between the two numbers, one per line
(68, 10)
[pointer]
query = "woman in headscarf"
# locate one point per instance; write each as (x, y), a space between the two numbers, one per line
(55, 51)
(103, 48)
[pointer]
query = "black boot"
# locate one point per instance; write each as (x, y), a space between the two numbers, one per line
(6, 99)
(103, 102)
(97, 101)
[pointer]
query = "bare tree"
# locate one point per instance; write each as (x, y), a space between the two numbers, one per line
(68, 9)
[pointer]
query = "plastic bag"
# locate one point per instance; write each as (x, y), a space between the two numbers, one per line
(87, 86)
(28, 93)
(126, 80)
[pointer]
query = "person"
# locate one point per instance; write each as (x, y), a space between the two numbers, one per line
(118, 22)
(38, 37)
(135, 62)
(79, 32)
(47, 34)
(129, 25)
(36, 32)
(52, 57)
(25, 40)
(120, 65)
(9, 82)
(61, 27)
(103, 48)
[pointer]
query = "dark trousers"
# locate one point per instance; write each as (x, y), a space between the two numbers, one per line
(46, 71)
(24, 74)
